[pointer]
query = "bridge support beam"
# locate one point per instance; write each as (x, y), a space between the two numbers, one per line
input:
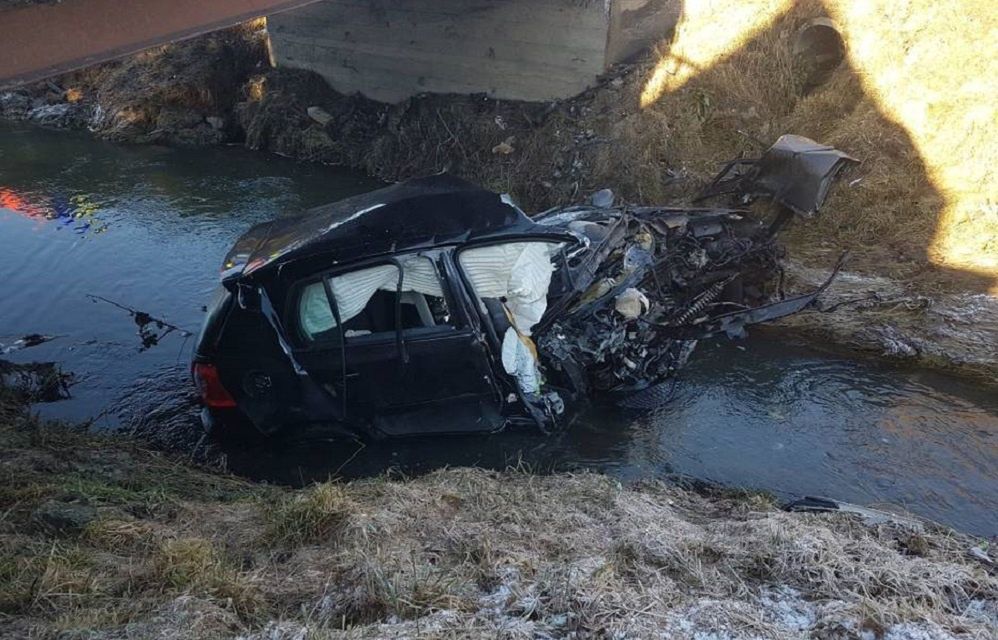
(517, 49)
(42, 40)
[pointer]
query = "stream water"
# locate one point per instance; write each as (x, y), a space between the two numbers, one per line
(148, 227)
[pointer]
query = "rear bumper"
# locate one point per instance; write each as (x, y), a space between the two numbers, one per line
(232, 426)
(227, 424)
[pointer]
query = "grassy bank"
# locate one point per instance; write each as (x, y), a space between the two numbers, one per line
(103, 539)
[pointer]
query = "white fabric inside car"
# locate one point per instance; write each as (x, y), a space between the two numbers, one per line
(520, 272)
(518, 360)
(354, 290)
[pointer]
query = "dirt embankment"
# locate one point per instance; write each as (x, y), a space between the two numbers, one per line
(654, 131)
(100, 539)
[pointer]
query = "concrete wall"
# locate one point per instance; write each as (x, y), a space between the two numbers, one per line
(636, 25)
(516, 49)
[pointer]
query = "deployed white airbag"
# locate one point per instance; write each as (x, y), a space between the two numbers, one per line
(354, 290)
(520, 272)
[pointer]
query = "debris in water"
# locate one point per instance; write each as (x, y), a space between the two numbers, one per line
(811, 504)
(505, 147)
(25, 342)
(151, 329)
(320, 115)
(980, 554)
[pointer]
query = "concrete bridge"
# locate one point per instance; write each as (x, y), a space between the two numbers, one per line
(43, 39)
(385, 49)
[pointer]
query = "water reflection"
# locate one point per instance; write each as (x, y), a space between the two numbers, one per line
(77, 212)
(166, 219)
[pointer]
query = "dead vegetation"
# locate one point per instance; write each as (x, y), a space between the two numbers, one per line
(180, 94)
(102, 539)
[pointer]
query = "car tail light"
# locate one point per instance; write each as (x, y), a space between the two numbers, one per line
(213, 394)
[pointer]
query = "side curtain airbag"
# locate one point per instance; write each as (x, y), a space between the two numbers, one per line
(354, 290)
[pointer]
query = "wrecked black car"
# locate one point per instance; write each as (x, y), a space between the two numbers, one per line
(434, 305)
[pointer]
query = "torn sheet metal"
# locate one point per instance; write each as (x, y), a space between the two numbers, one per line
(796, 172)
(646, 269)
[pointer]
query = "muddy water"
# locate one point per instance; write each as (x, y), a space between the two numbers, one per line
(147, 227)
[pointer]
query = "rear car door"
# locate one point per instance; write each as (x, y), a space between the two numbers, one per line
(396, 346)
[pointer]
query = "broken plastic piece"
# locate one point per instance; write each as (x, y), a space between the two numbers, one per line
(812, 504)
(631, 304)
(796, 172)
(602, 199)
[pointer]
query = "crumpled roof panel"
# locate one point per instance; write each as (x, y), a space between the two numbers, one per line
(429, 211)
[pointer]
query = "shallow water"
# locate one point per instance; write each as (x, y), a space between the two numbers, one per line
(148, 227)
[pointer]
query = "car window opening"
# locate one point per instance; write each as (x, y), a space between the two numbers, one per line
(378, 300)
(511, 281)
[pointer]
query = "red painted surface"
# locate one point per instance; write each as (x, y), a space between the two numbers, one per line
(43, 40)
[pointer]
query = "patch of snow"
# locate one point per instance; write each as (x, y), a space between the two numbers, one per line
(50, 112)
(279, 631)
(985, 611)
(893, 340)
(917, 631)
(784, 606)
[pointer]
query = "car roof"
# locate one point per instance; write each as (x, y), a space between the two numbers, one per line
(424, 212)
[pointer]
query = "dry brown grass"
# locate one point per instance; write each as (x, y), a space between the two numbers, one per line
(190, 564)
(462, 553)
(164, 94)
(112, 534)
(915, 99)
(317, 514)
(178, 552)
(458, 553)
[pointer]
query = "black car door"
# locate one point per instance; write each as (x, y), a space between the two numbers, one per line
(409, 361)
